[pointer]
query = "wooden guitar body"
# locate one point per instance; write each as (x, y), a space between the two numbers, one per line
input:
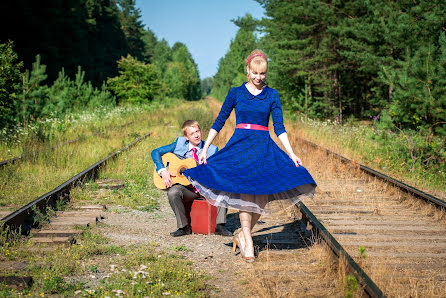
(176, 166)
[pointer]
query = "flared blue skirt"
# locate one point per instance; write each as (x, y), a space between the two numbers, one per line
(250, 171)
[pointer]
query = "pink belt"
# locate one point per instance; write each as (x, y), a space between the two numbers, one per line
(251, 126)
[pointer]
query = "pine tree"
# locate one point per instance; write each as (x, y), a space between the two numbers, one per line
(34, 93)
(150, 42)
(231, 68)
(304, 54)
(186, 72)
(420, 89)
(342, 57)
(206, 86)
(10, 75)
(106, 40)
(56, 31)
(66, 95)
(162, 55)
(132, 27)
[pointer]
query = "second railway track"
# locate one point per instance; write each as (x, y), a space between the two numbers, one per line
(398, 240)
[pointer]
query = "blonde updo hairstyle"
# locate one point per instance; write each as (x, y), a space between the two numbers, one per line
(256, 61)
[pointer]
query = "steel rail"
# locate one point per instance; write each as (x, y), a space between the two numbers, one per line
(9, 161)
(401, 185)
(370, 288)
(23, 218)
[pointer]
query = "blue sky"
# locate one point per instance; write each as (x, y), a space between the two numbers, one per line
(204, 26)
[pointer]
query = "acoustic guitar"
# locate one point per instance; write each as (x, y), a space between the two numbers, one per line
(176, 166)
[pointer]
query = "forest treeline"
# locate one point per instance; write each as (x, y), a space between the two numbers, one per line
(356, 59)
(66, 56)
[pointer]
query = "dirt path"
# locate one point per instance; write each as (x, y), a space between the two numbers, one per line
(285, 265)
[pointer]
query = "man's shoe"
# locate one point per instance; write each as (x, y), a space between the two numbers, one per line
(222, 231)
(182, 231)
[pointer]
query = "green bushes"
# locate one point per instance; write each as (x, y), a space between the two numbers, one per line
(66, 96)
(39, 101)
(137, 83)
(411, 151)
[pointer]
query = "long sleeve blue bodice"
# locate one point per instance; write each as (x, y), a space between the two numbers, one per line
(252, 109)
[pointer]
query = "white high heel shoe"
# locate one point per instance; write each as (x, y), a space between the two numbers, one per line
(236, 242)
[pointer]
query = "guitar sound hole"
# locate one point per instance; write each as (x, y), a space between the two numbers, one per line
(182, 170)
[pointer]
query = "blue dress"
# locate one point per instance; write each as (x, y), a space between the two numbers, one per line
(251, 162)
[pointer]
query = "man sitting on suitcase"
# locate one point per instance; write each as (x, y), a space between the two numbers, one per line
(188, 146)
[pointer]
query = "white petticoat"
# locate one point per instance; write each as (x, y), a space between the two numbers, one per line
(234, 200)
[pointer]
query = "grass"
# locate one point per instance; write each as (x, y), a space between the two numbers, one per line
(180, 248)
(24, 140)
(46, 133)
(31, 178)
(291, 275)
(95, 267)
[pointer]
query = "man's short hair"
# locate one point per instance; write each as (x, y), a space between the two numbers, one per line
(189, 123)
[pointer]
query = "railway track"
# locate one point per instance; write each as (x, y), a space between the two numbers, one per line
(391, 235)
(23, 219)
(394, 231)
(63, 228)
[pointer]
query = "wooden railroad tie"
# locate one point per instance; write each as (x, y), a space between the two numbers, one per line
(62, 228)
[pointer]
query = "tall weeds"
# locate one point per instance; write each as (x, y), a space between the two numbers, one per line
(415, 157)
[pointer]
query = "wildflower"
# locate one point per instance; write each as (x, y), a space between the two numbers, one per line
(118, 292)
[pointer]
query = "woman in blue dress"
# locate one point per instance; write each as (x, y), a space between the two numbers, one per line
(251, 170)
